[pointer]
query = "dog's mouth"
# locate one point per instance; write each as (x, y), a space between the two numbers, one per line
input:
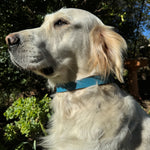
(15, 62)
(47, 71)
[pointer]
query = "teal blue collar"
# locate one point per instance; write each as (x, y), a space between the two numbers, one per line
(83, 83)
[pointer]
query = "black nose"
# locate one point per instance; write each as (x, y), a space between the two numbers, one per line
(12, 39)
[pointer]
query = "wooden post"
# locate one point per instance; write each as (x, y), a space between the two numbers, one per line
(132, 65)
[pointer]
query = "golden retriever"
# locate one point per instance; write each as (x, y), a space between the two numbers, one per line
(77, 53)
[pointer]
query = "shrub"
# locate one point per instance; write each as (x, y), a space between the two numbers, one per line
(28, 117)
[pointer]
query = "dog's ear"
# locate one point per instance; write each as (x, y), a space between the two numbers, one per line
(107, 47)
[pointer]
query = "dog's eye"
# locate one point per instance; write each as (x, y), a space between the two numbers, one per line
(60, 22)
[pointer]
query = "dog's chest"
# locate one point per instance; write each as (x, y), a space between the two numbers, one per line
(72, 126)
(82, 122)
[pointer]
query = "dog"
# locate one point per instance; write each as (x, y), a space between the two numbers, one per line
(78, 55)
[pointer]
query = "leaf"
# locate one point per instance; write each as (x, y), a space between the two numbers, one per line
(29, 114)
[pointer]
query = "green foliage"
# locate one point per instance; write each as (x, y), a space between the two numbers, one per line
(28, 117)
(17, 15)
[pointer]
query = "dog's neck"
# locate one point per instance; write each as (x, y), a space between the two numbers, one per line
(83, 83)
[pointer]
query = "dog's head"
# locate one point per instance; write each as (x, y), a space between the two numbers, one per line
(69, 45)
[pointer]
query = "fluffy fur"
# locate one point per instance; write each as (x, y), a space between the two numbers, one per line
(73, 44)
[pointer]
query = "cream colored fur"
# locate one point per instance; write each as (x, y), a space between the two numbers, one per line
(98, 118)
(74, 44)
